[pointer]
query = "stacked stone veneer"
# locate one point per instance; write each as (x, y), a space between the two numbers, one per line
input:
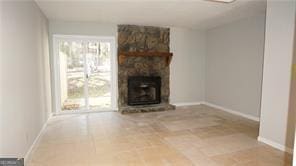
(133, 38)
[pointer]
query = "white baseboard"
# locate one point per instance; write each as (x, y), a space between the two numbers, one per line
(186, 104)
(254, 118)
(36, 141)
(275, 145)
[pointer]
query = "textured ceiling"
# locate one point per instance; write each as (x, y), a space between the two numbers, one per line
(193, 14)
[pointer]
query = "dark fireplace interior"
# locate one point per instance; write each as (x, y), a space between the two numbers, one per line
(144, 90)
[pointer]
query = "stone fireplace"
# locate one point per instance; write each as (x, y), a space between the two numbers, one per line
(143, 68)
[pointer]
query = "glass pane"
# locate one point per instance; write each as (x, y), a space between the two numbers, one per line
(99, 75)
(72, 75)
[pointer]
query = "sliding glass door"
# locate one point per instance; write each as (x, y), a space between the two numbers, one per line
(85, 73)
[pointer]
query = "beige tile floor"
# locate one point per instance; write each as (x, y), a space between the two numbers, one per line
(196, 135)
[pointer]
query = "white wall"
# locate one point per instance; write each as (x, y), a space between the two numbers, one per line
(1, 78)
(275, 127)
(188, 65)
(82, 28)
(25, 81)
(292, 106)
(234, 65)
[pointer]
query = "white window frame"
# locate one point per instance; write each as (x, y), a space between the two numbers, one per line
(56, 69)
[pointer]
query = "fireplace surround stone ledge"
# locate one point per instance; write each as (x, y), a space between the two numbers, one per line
(147, 108)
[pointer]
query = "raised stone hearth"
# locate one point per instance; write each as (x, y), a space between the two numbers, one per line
(133, 38)
(147, 108)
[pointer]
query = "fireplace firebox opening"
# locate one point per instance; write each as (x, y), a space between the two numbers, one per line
(143, 90)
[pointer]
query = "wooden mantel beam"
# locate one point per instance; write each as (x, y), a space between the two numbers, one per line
(124, 55)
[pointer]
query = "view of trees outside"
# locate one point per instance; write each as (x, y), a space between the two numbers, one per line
(85, 62)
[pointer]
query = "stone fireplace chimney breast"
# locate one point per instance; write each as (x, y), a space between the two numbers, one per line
(144, 40)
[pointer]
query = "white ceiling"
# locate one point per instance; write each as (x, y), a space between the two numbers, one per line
(193, 14)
